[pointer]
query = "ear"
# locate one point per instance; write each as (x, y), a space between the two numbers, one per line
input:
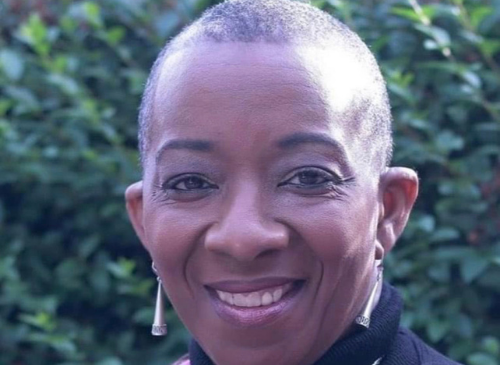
(399, 190)
(134, 201)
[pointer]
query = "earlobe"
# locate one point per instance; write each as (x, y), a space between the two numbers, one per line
(399, 190)
(134, 202)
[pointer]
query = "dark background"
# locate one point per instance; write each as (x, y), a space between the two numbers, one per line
(75, 284)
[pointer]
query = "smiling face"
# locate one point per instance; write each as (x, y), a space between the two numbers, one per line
(259, 204)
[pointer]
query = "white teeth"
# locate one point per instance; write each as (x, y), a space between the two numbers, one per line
(222, 295)
(254, 299)
(267, 299)
(278, 293)
(239, 300)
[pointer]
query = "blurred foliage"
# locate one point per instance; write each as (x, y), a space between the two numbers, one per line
(75, 285)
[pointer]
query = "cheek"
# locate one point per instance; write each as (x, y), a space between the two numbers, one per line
(340, 234)
(172, 236)
(335, 230)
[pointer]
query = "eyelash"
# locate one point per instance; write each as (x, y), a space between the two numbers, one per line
(331, 182)
(172, 183)
(329, 178)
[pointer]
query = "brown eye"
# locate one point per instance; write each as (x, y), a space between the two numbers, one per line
(310, 178)
(188, 183)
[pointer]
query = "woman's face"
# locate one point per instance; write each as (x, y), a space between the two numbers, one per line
(259, 206)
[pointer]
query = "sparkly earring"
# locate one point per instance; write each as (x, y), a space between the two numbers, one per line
(159, 325)
(364, 318)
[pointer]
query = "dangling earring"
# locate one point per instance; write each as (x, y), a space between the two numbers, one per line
(364, 318)
(159, 325)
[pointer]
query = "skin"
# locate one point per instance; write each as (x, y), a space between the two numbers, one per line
(254, 208)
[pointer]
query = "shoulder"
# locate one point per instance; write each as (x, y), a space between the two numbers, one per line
(409, 343)
(184, 360)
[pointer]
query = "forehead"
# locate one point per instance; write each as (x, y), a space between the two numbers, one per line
(244, 74)
(213, 86)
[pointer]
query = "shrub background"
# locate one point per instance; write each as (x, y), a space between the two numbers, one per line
(75, 285)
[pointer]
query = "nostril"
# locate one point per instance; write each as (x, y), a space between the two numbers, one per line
(246, 242)
(268, 253)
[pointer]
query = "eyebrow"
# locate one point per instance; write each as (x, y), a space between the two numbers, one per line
(197, 145)
(289, 142)
(297, 139)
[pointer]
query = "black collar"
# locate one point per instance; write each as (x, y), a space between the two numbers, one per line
(361, 348)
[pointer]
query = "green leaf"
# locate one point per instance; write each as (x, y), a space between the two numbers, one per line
(122, 269)
(24, 99)
(448, 141)
(472, 79)
(110, 361)
(5, 105)
(481, 359)
(440, 273)
(464, 325)
(445, 234)
(478, 15)
(473, 266)
(92, 13)
(115, 35)
(431, 45)
(318, 3)
(407, 13)
(491, 345)
(490, 46)
(12, 64)
(65, 83)
(437, 329)
(34, 32)
(68, 24)
(426, 223)
(440, 35)
(42, 320)
(456, 253)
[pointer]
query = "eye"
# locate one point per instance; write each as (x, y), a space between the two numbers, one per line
(310, 177)
(188, 183)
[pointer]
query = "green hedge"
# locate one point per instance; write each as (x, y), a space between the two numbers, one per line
(75, 285)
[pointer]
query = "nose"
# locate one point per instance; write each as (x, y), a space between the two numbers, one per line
(244, 232)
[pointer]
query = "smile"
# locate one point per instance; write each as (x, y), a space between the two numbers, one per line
(254, 304)
(255, 298)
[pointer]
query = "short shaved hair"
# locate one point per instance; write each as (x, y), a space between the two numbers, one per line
(282, 22)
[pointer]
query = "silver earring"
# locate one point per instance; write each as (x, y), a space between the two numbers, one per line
(364, 318)
(159, 325)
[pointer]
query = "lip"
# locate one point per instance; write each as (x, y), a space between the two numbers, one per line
(247, 317)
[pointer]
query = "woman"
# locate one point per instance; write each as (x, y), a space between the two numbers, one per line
(267, 204)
